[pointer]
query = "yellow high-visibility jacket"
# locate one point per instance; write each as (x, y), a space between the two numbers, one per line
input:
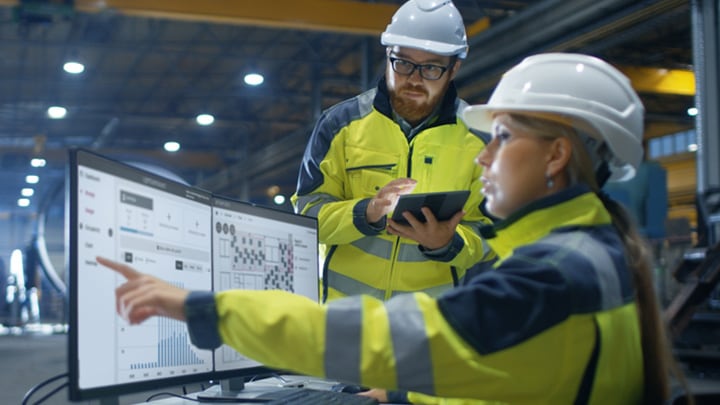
(554, 323)
(357, 148)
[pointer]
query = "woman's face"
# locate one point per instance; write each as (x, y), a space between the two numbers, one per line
(515, 166)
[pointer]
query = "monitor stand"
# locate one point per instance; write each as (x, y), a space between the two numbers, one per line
(229, 389)
(110, 401)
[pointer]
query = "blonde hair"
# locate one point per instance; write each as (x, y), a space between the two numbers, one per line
(658, 362)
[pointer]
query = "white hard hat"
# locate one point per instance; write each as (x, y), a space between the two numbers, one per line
(583, 88)
(435, 26)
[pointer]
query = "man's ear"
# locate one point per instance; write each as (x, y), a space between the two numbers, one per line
(454, 68)
(559, 155)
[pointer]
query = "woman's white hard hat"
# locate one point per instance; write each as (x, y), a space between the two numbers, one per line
(585, 89)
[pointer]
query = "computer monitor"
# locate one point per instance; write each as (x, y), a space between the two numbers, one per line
(258, 248)
(181, 234)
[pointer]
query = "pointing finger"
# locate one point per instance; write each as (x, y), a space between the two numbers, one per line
(125, 270)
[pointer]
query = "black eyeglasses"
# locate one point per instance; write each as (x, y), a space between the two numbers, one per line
(406, 68)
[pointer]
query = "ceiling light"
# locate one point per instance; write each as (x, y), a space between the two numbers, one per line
(32, 179)
(205, 119)
(74, 67)
(692, 111)
(171, 146)
(23, 202)
(692, 147)
(254, 79)
(56, 112)
(37, 162)
(27, 192)
(279, 199)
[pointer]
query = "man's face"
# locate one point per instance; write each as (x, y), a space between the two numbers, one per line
(413, 97)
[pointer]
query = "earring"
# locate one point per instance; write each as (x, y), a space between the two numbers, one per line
(550, 182)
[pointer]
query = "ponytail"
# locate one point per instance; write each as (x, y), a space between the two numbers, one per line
(658, 361)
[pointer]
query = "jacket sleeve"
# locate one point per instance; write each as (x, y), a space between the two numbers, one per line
(404, 343)
(321, 187)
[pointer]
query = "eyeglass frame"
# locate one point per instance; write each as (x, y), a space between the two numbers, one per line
(420, 67)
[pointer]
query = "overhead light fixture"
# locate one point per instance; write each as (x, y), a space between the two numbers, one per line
(23, 202)
(27, 192)
(279, 199)
(254, 79)
(37, 162)
(692, 111)
(205, 119)
(32, 179)
(73, 67)
(171, 146)
(56, 112)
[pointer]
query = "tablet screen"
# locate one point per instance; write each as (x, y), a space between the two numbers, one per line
(443, 204)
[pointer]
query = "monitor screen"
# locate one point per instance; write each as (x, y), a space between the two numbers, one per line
(183, 235)
(257, 248)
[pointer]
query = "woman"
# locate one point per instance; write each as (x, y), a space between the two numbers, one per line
(568, 315)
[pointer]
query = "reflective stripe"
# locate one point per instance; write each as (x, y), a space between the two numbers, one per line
(319, 198)
(432, 291)
(343, 337)
(383, 249)
(375, 246)
(351, 286)
(410, 345)
(603, 266)
(410, 253)
(365, 102)
(475, 226)
(487, 250)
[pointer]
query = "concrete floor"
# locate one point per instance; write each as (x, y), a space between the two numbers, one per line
(31, 358)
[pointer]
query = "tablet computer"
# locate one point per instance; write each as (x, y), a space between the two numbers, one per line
(443, 204)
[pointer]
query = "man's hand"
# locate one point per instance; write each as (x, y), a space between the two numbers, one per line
(144, 296)
(430, 234)
(387, 197)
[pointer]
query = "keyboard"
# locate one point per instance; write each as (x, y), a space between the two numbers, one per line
(314, 397)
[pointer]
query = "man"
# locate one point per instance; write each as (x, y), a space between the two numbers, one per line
(402, 136)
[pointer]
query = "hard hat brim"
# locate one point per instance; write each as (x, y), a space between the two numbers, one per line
(438, 48)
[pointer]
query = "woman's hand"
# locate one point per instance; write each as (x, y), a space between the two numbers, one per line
(377, 393)
(144, 296)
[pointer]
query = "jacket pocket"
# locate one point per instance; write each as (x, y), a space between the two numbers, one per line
(368, 171)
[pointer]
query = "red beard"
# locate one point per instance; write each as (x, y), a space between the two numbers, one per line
(411, 110)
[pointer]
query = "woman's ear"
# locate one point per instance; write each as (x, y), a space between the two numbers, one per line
(559, 156)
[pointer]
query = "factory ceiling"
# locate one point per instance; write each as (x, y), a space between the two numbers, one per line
(152, 66)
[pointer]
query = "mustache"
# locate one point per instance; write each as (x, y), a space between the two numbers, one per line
(415, 88)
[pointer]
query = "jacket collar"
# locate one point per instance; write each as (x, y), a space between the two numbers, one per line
(573, 207)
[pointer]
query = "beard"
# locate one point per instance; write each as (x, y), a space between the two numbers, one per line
(412, 111)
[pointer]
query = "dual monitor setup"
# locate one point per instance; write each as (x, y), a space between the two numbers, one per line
(184, 235)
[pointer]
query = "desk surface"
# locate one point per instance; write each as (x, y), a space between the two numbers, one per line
(254, 388)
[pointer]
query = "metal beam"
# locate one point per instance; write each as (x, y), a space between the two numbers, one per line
(664, 81)
(352, 17)
(706, 59)
(548, 25)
